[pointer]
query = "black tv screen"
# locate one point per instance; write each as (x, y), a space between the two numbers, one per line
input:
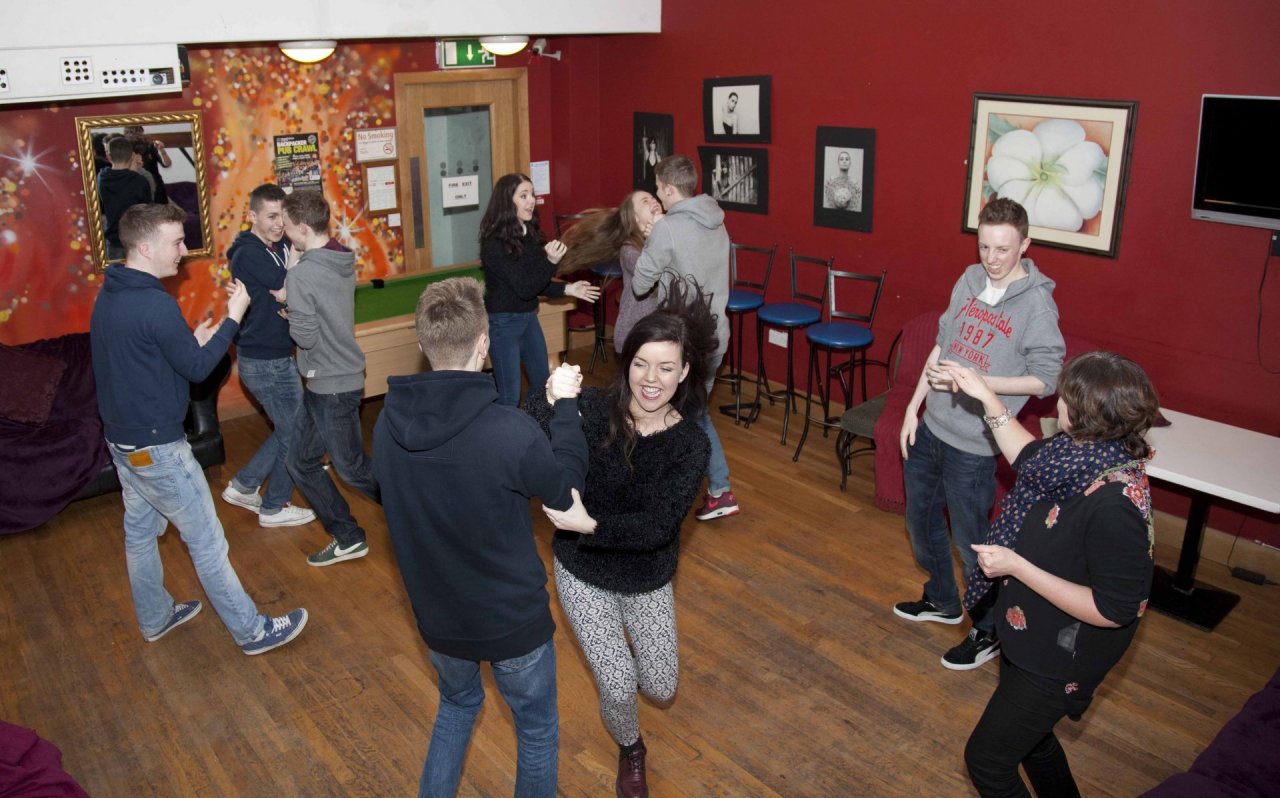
(1238, 161)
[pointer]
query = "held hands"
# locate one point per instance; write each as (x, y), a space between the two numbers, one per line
(939, 375)
(575, 519)
(555, 251)
(584, 290)
(564, 383)
(969, 381)
(997, 561)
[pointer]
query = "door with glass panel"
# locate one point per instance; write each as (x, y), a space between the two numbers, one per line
(459, 131)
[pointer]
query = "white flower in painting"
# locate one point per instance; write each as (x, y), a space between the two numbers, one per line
(1052, 171)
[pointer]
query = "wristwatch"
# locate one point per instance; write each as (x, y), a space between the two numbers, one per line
(996, 422)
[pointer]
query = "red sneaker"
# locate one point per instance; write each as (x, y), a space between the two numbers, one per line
(717, 506)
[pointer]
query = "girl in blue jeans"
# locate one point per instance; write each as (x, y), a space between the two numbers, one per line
(518, 264)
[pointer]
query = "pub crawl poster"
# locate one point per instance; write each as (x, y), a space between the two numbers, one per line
(298, 162)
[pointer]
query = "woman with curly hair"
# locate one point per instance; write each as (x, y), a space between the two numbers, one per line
(1072, 549)
(518, 264)
(605, 235)
(616, 548)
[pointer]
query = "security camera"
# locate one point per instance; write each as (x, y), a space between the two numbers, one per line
(539, 48)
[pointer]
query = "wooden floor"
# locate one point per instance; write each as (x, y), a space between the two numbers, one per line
(797, 679)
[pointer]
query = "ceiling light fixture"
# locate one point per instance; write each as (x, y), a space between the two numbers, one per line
(504, 45)
(309, 51)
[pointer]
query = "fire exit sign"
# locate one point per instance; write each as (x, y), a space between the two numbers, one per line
(463, 54)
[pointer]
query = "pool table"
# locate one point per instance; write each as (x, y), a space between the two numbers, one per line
(385, 332)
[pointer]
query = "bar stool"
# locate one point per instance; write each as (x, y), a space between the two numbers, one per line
(802, 311)
(605, 273)
(844, 331)
(745, 296)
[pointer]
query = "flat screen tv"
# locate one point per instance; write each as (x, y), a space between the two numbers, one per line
(1238, 161)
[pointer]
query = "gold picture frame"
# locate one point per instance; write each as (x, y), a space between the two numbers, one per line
(186, 134)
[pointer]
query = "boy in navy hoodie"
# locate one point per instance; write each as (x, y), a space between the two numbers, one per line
(260, 260)
(457, 470)
(145, 358)
(321, 296)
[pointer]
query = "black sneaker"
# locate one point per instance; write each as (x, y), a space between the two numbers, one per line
(971, 652)
(924, 610)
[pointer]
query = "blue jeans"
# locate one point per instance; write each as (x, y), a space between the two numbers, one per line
(277, 387)
(164, 484)
(937, 476)
(528, 685)
(718, 466)
(331, 423)
(516, 338)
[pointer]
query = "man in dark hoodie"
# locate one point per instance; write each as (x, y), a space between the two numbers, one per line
(1002, 322)
(321, 300)
(119, 189)
(690, 241)
(145, 358)
(457, 471)
(260, 260)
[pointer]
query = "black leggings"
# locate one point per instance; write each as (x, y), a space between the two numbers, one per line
(1017, 728)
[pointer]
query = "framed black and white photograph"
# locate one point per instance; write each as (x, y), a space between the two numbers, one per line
(736, 177)
(844, 178)
(653, 138)
(736, 110)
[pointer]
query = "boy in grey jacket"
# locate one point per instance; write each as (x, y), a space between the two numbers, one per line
(690, 240)
(1002, 322)
(320, 297)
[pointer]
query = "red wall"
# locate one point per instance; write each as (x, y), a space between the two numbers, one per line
(1181, 298)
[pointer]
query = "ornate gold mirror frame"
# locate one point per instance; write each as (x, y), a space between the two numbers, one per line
(183, 140)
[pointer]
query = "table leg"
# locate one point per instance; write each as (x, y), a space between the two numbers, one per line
(1179, 595)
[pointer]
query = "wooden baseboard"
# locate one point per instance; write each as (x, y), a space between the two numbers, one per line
(1221, 547)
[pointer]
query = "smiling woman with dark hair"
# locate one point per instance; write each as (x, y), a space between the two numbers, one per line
(1072, 549)
(616, 549)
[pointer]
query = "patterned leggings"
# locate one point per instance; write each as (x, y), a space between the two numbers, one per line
(601, 620)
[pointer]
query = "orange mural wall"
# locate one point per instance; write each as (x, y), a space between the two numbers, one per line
(247, 95)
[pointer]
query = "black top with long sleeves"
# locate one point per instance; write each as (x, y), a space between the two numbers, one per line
(512, 283)
(639, 507)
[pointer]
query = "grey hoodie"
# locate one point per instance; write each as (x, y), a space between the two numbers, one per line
(321, 292)
(690, 240)
(1016, 336)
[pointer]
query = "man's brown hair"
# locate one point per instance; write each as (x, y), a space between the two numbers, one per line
(308, 207)
(450, 317)
(678, 171)
(141, 223)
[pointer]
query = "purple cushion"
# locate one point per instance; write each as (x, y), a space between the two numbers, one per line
(29, 385)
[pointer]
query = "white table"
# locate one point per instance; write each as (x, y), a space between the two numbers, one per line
(1213, 460)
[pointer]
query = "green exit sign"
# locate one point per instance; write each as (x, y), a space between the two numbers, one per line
(463, 54)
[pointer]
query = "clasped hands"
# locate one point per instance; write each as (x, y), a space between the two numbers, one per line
(237, 304)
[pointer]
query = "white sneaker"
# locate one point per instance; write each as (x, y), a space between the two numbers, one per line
(287, 516)
(249, 501)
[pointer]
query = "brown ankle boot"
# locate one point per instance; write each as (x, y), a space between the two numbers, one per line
(631, 783)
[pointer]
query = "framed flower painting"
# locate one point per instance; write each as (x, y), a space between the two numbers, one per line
(1066, 161)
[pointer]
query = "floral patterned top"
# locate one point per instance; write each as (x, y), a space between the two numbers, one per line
(1102, 538)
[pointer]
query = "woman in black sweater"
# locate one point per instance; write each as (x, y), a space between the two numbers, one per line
(616, 548)
(1072, 549)
(518, 264)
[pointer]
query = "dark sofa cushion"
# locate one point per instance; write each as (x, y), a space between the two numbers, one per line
(29, 385)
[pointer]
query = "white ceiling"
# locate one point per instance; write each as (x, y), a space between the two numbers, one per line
(75, 23)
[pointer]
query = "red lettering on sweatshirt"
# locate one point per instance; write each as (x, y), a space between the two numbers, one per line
(974, 310)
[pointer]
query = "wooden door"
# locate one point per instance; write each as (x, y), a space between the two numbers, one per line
(444, 119)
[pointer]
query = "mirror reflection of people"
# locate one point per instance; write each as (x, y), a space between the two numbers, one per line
(729, 114)
(842, 192)
(518, 264)
(617, 547)
(119, 189)
(1072, 551)
(605, 235)
(153, 155)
